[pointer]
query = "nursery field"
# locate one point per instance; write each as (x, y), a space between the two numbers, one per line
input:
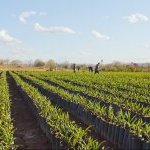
(83, 111)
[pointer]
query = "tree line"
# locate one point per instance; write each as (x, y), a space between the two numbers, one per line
(51, 65)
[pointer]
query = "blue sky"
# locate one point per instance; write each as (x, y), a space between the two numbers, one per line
(78, 31)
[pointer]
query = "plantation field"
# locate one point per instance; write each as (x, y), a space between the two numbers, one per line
(65, 110)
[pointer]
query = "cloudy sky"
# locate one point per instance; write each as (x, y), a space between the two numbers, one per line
(80, 31)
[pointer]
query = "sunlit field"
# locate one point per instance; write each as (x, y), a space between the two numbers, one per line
(80, 110)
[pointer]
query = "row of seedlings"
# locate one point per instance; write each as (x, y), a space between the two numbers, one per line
(120, 128)
(137, 110)
(6, 125)
(116, 87)
(62, 132)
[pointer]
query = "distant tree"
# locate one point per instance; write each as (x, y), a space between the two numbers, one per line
(29, 63)
(83, 67)
(1, 61)
(130, 68)
(16, 62)
(39, 63)
(51, 64)
(6, 61)
(65, 65)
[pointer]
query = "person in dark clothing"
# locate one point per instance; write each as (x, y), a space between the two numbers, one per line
(74, 68)
(97, 68)
(90, 69)
(78, 68)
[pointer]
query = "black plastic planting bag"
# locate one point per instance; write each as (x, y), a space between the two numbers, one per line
(121, 136)
(116, 136)
(106, 125)
(146, 145)
(125, 138)
(111, 132)
(135, 142)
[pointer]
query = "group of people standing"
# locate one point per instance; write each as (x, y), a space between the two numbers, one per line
(90, 68)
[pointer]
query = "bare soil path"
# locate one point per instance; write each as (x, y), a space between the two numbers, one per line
(28, 134)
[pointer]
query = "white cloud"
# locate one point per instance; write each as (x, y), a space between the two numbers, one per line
(15, 46)
(25, 15)
(55, 29)
(42, 13)
(99, 35)
(6, 38)
(136, 18)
